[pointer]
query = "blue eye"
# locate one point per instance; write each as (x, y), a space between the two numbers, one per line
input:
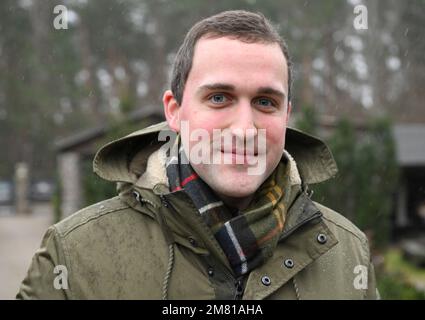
(265, 102)
(218, 98)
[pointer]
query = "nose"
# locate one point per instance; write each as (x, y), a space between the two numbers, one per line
(243, 123)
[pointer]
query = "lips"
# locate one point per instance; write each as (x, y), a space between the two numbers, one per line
(247, 146)
(240, 152)
(239, 158)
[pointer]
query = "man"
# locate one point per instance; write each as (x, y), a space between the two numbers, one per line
(185, 226)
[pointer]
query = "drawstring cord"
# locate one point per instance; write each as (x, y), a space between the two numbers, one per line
(297, 293)
(170, 241)
(168, 238)
(167, 277)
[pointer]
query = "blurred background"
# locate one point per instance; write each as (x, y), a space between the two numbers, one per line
(77, 76)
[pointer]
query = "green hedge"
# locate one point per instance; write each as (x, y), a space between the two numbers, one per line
(368, 173)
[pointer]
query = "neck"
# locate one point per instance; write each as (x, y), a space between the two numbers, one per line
(239, 203)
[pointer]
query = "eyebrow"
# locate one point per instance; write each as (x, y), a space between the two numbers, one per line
(270, 90)
(216, 86)
(229, 87)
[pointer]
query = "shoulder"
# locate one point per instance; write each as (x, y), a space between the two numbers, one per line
(89, 215)
(344, 228)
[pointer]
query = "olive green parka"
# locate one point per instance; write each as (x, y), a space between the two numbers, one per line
(148, 243)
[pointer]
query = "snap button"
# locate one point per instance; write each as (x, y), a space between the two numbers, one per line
(210, 271)
(322, 238)
(193, 242)
(289, 263)
(266, 280)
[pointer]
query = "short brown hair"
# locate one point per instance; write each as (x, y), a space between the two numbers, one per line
(239, 24)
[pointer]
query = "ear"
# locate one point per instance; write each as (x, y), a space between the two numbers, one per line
(171, 110)
(288, 111)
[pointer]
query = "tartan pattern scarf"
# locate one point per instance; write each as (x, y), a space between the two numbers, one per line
(248, 238)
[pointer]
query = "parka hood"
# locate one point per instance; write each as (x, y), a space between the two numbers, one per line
(113, 162)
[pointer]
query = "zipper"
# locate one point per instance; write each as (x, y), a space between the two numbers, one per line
(238, 289)
(164, 201)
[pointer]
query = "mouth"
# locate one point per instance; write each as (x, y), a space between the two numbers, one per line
(240, 152)
(239, 157)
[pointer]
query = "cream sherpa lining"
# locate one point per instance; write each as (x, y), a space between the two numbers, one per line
(155, 170)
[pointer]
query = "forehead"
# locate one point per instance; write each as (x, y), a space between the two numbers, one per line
(239, 63)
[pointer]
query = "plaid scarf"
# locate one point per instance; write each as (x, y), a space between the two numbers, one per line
(249, 238)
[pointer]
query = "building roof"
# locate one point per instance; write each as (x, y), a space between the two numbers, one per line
(74, 141)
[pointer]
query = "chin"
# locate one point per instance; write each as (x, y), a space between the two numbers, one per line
(235, 188)
(229, 181)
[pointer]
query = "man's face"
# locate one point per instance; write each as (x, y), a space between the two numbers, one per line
(236, 87)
